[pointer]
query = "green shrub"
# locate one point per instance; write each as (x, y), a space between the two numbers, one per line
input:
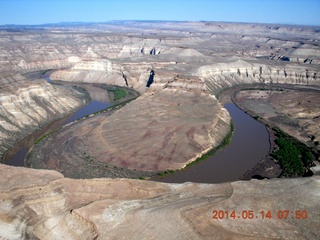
(118, 93)
(289, 157)
(292, 155)
(41, 138)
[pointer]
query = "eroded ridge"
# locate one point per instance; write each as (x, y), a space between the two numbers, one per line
(43, 204)
(25, 106)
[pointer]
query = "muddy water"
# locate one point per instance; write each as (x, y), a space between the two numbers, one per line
(250, 143)
(100, 100)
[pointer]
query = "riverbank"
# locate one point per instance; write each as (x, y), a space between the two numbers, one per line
(86, 166)
(10, 156)
(250, 143)
(226, 141)
(155, 132)
(267, 167)
(258, 102)
(101, 100)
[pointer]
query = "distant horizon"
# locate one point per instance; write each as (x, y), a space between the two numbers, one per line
(137, 20)
(36, 12)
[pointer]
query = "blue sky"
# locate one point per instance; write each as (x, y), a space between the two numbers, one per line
(305, 12)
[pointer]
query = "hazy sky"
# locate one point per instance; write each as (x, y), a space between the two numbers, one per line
(306, 12)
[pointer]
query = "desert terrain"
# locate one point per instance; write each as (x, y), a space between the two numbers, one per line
(296, 111)
(42, 204)
(179, 70)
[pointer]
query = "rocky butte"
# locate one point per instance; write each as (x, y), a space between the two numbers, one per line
(179, 69)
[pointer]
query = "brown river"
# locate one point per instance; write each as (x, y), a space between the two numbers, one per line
(250, 143)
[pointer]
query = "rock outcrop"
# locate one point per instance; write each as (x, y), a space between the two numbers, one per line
(224, 75)
(41, 204)
(26, 105)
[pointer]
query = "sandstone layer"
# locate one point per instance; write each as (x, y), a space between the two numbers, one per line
(42, 204)
(26, 105)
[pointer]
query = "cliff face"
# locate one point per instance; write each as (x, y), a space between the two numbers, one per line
(223, 75)
(39, 204)
(26, 105)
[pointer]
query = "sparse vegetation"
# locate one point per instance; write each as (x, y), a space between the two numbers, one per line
(118, 93)
(226, 141)
(43, 137)
(161, 174)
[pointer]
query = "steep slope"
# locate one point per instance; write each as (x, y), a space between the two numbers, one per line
(223, 75)
(26, 105)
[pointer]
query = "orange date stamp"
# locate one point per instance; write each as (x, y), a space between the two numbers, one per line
(250, 214)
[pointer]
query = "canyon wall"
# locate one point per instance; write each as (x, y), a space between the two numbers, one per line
(177, 67)
(224, 75)
(26, 105)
